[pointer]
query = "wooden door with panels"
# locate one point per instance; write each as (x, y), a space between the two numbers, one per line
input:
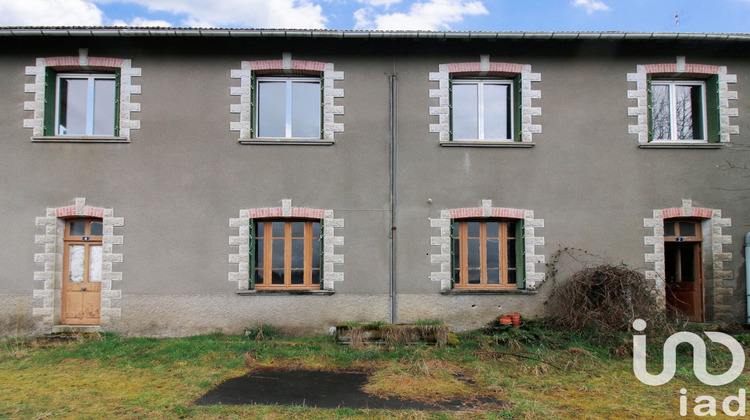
(684, 268)
(82, 272)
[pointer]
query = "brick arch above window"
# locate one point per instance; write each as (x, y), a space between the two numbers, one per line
(524, 111)
(41, 72)
(718, 93)
(47, 296)
(531, 240)
(286, 66)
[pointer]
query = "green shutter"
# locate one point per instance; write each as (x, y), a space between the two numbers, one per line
(520, 254)
(253, 100)
(50, 84)
(713, 109)
(118, 75)
(648, 109)
(322, 106)
(518, 111)
(322, 252)
(252, 254)
(450, 107)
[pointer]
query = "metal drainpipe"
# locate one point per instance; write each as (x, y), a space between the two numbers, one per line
(747, 276)
(392, 103)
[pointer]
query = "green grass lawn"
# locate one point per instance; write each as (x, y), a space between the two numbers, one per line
(541, 374)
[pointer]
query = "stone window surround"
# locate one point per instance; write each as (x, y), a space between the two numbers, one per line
(286, 66)
(47, 299)
(531, 240)
(680, 69)
(485, 68)
(242, 241)
(714, 255)
(83, 63)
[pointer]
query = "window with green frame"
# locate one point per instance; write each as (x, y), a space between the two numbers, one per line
(684, 110)
(286, 254)
(287, 107)
(82, 104)
(487, 254)
(486, 109)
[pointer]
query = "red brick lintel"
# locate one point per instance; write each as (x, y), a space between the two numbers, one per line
(475, 69)
(297, 67)
(690, 69)
(499, 212)
(700, 212)
(72, 63)
(276, 212)
(88, 211)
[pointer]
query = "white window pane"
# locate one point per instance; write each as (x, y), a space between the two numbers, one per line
(689, 114)
(72, 106)
(660, 112)
(104, 107)
(95, 263)
(306, 109)
(272, 109)
(465, 111)
(76, 256)
(496, 111)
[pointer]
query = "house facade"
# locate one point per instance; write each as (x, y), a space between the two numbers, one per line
(171, 182)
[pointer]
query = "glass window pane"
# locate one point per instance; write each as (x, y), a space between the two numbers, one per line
(493, 230)
(72, 108)
(298, 229)
(511, 229)
(277, 229)
(298, 277)
(457, 276)
(104, 107)
(473, 253)
(277, 277)
(315, 253)
(465, 110)
(277, 253)
(473, 229)
(76, 259)
(687, 229)
(96, 229)
(306, 109)
(271, 109)
(95, 264)
(77, 228)
(511, 253)
(258, 276)
(493, 253)
(660, 112)
(316, 230)
(259, 253)
(497, 111)
(456, 253)
(688, 111)
(259, 229)
(493, 276)
(315, 277)
(298, 253)
(511, 276)
(669, 229)
(475, 277)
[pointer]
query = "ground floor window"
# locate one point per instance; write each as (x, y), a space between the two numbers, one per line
(485, 254)
(286, 254)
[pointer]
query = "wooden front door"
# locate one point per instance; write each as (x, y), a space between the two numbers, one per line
(683, 268)
(82, 272)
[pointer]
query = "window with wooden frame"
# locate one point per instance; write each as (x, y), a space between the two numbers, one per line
(286, 254)
(288, 107)
(82, 104)
(487, 254)
(485, 109)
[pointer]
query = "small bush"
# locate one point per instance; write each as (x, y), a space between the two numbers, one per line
(262, 332)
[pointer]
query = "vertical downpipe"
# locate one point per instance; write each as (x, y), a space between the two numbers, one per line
(747, 277)
(393, 138)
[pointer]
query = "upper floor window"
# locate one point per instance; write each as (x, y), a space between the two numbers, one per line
(288, 107)
(86, 104)
(678, 110)
(482, 109)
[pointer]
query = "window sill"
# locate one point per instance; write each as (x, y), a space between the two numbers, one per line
(488, 292)
(480, 143)
(285, 292)
(80, 139)
(679, 145)
(292, 142)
